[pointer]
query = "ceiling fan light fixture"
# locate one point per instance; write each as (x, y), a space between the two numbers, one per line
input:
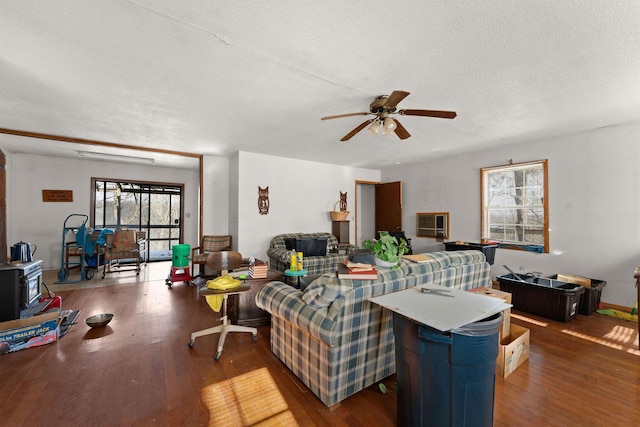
(381, 108)
(374, 127)
(389, 125)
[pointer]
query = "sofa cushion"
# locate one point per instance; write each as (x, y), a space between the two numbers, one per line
(312, 246)
(323, 291)
(280, 241)
(309, 246)
(443, 260)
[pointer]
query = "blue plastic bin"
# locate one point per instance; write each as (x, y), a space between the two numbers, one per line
(446, 378)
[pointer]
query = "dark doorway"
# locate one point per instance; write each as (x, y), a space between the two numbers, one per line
(389, 207)
(378, 207)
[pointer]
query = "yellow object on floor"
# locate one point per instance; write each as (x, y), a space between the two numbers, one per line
(220, 283)
(619, 314)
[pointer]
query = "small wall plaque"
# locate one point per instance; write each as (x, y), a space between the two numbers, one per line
(57, 195)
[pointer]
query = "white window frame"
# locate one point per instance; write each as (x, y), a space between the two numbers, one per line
(529, 199)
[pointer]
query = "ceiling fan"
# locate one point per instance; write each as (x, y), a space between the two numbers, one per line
(381, 108)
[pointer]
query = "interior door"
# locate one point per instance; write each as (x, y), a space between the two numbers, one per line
(389, 207)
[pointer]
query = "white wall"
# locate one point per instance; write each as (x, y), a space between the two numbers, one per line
(301, 195)
(594, 203)
(232, 201)
(41, 223)
(215, 190)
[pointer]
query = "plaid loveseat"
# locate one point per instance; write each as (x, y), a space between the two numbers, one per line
(279, 254)
(335, 340)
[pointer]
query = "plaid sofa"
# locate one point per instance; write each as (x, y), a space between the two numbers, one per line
(279, 255)
(335, 340)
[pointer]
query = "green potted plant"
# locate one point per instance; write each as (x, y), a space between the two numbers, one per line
(386, 250)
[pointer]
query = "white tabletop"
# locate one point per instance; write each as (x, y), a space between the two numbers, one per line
(444, 309)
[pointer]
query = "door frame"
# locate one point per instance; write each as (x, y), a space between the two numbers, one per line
(358, 183)
(358, 208)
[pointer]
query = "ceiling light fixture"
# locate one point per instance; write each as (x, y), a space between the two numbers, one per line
(389, 125)
(116, 158)
(375, 127)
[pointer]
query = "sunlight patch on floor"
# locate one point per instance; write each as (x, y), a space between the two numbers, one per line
(251, 399)
(619, 338)
(529, 320)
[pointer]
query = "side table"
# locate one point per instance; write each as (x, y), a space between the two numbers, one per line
(242, 308)
(294, 276)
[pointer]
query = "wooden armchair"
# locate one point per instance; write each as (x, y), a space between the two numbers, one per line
(209, 244)
(123, 245)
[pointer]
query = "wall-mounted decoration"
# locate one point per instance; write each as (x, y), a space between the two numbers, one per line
(57, 195)
(343, 202)
(432, 224)
(342, 213)
(263, 200)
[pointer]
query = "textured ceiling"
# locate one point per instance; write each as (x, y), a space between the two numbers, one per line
(215, 77)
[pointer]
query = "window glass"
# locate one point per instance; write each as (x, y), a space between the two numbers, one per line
(153, 208)
(515, 206)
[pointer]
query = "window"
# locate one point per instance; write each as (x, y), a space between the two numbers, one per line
(155, 208)
(515, 208)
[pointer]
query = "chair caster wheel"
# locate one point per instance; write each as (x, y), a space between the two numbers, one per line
(255, 338)
(217, 356)
(191, 343)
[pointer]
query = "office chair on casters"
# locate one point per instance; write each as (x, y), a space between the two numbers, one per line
(223, 262)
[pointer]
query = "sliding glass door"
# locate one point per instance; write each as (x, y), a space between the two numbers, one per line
(154, 208)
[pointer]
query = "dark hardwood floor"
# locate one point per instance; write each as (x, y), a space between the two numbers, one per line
(140, 371)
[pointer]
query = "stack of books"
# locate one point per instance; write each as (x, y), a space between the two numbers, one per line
(258, 270)
(417, 258)
(356, 271)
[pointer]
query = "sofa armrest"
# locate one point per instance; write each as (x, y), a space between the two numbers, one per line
(348, 248)
(285, 302)
(281, 255)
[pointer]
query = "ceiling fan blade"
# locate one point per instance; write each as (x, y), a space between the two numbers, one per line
(345, 115)
(395, 97)
(401, 131)
(356, 130)
(429, 113)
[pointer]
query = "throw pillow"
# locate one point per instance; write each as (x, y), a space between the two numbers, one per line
(311, 246)
(324, 290)
(290, 243)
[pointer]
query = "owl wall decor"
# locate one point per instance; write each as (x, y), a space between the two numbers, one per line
(263, 200)
(343, 201)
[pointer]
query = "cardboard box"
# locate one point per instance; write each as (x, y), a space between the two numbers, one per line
(125, 240)
(576, 280)
(505, 329)
(513, 353)
(30, 332)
